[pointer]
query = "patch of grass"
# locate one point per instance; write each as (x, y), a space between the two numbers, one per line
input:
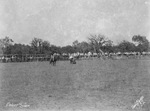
(113, 82)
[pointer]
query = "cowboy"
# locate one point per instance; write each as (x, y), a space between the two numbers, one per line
(72, 59)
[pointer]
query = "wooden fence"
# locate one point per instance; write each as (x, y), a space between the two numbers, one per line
(24, 57)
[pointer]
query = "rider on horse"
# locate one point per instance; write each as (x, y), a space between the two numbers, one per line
(72, 59)
(53, 59)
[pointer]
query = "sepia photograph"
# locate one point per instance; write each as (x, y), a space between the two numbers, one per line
(74, 55)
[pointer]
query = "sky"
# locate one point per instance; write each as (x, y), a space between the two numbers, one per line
(63, 21)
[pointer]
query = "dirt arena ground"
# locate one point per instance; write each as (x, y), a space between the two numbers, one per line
(89, 85)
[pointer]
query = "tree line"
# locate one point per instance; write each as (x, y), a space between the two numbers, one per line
(93, 44)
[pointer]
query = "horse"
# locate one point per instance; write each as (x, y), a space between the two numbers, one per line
(53, 60)
(72, 60)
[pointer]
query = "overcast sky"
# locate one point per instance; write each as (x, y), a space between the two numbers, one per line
(63, 21)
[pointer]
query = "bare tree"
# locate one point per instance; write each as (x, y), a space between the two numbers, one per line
(98, 41)
(6, 42)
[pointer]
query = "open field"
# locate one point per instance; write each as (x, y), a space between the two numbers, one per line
(99, 85)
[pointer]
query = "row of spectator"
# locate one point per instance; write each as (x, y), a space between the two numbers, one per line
(65, 56)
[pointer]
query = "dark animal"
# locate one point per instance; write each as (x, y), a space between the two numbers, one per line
(72, 61)
(53, 60)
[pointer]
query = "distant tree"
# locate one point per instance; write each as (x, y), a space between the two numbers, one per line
(98, 41)
(67, 49)
(20, 49)
(5, 43)
(139, 39)
(108, 47)
(17, 49)
(126, 46)
(108, 43)
(76, 46)
(55, 49)
(142, 43)
(36, 44)
(84, 47)
(75, 43)
(26, 49)
(115, 49)
(45, 47)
